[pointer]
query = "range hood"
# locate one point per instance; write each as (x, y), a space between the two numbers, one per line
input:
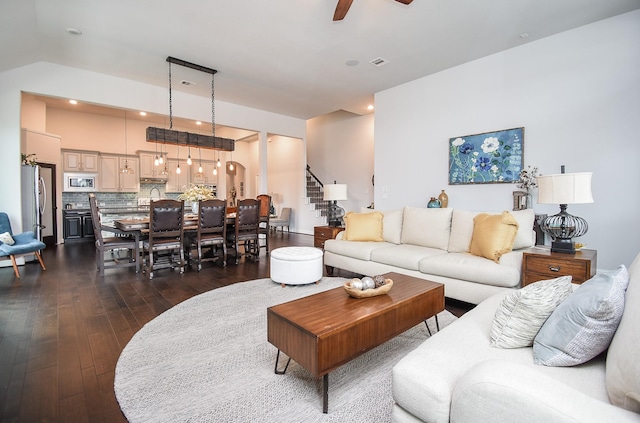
(157, 180)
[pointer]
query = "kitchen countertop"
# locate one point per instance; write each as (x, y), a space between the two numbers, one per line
(125, 210)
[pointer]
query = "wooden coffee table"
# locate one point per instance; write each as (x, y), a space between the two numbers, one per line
(323, 331)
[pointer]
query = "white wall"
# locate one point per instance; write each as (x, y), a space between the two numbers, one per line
(578, 96)
(340, 148)
(66, 82)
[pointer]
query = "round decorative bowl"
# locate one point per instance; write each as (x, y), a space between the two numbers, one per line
(372, 292)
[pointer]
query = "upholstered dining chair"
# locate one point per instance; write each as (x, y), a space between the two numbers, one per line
(282, 220)
(18, 245)
(106, 247)
(212, 231)
(166, 233)
(263, 229)
(246, 229)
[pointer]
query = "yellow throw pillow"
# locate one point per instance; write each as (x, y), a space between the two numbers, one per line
(493, 235)
(363, 226)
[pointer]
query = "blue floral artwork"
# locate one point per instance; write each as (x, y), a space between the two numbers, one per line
(488, 158)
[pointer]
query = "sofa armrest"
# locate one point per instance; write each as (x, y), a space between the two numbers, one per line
(502, 391)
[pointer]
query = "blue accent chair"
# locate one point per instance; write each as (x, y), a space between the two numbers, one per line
(25, 243)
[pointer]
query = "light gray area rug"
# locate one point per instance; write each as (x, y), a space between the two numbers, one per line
(208, 360)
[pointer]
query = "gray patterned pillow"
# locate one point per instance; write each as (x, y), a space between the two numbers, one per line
(523, 312)
(583, 326)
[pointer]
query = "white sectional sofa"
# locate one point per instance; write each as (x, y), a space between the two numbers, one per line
(457, 376)
(433, 244)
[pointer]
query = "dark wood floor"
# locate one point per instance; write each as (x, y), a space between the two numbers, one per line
(62, 330)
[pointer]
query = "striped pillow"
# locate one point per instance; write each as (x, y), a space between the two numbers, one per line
(523, 312)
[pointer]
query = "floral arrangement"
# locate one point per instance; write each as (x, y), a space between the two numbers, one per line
(197, 193)
(528, 179)
(29, 159)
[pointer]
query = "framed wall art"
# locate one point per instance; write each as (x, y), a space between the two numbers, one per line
(487, 158)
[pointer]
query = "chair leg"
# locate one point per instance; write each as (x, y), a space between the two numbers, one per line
(15, 266)
(40, 260)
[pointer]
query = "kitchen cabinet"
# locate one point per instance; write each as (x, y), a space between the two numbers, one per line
(148, 169)
(207, 177)
(177, 182)
(77, 225)
(79, 161)
(110, 177)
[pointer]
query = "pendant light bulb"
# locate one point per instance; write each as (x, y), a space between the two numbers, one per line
(215, 170)
(156, 162)
(200, 169)
(219, 162)
(231, 166)
(189, 162)
(178, 170)
(160, 160)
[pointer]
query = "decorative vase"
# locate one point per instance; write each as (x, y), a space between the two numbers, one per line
(444, 199)
(528, 201)
(194, 207)
(434, 203)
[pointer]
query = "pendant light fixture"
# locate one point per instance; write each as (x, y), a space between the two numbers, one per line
(189, 161)
(126, 169)
(200, 157)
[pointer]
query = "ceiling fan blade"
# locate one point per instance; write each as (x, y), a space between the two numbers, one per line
(341, 9)
(404, 1)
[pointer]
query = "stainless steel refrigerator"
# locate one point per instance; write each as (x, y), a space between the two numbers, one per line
(34, 195)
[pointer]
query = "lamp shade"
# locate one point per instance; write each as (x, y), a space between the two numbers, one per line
(335, 192)
(565, 188)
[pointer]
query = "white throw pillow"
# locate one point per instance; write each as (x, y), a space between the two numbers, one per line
(6, 238)
(426, 227)
(523, 312)
(583, 325)
(461, 230)
(524, 236)
(392, 225)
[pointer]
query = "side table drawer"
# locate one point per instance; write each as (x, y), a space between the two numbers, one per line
(557, 267)
(323, 232)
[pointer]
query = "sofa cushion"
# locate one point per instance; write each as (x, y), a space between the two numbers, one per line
(493, 235)
(363, 227)
(523, 312)
(462, 229)
(357, 250)
(623, 366)
(426, 227)
(392, 226)
(468, 267)
(583, 325)
(405, 256)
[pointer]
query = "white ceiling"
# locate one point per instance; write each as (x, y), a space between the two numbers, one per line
(283, 56)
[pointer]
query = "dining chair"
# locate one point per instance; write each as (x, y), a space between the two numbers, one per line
(107, 247)
(211, 232)
(282, 220)
(166, 233)
(263, 229)
(246, 229)
(18, 245)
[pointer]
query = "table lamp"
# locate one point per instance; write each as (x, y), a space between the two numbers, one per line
(334, 193)
(563, 189)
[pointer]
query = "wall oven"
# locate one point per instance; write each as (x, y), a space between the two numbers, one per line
(80, 182)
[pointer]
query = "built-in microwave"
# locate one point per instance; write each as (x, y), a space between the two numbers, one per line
(80, 182)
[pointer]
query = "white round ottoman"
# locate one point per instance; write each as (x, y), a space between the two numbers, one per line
(296, 265)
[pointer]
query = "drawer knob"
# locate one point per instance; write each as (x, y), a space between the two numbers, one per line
(554, 268)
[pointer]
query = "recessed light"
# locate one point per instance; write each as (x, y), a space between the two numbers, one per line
(370, 107)
(143, 113)
(198, 122)
(73, 101)
(73, 31)
(352, 63)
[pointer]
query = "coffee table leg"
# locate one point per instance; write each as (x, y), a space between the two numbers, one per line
(437, 324)
(281, 372)
(325, 393)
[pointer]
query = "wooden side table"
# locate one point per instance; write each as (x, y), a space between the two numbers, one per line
(540, 264)
(323, 233)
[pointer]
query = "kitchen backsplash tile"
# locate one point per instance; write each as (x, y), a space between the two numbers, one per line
(80, 200)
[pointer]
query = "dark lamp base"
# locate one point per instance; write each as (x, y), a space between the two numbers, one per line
(566, 246)
(335, 223)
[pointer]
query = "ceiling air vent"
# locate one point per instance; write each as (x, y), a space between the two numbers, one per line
(379, 62)
(187, 83)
